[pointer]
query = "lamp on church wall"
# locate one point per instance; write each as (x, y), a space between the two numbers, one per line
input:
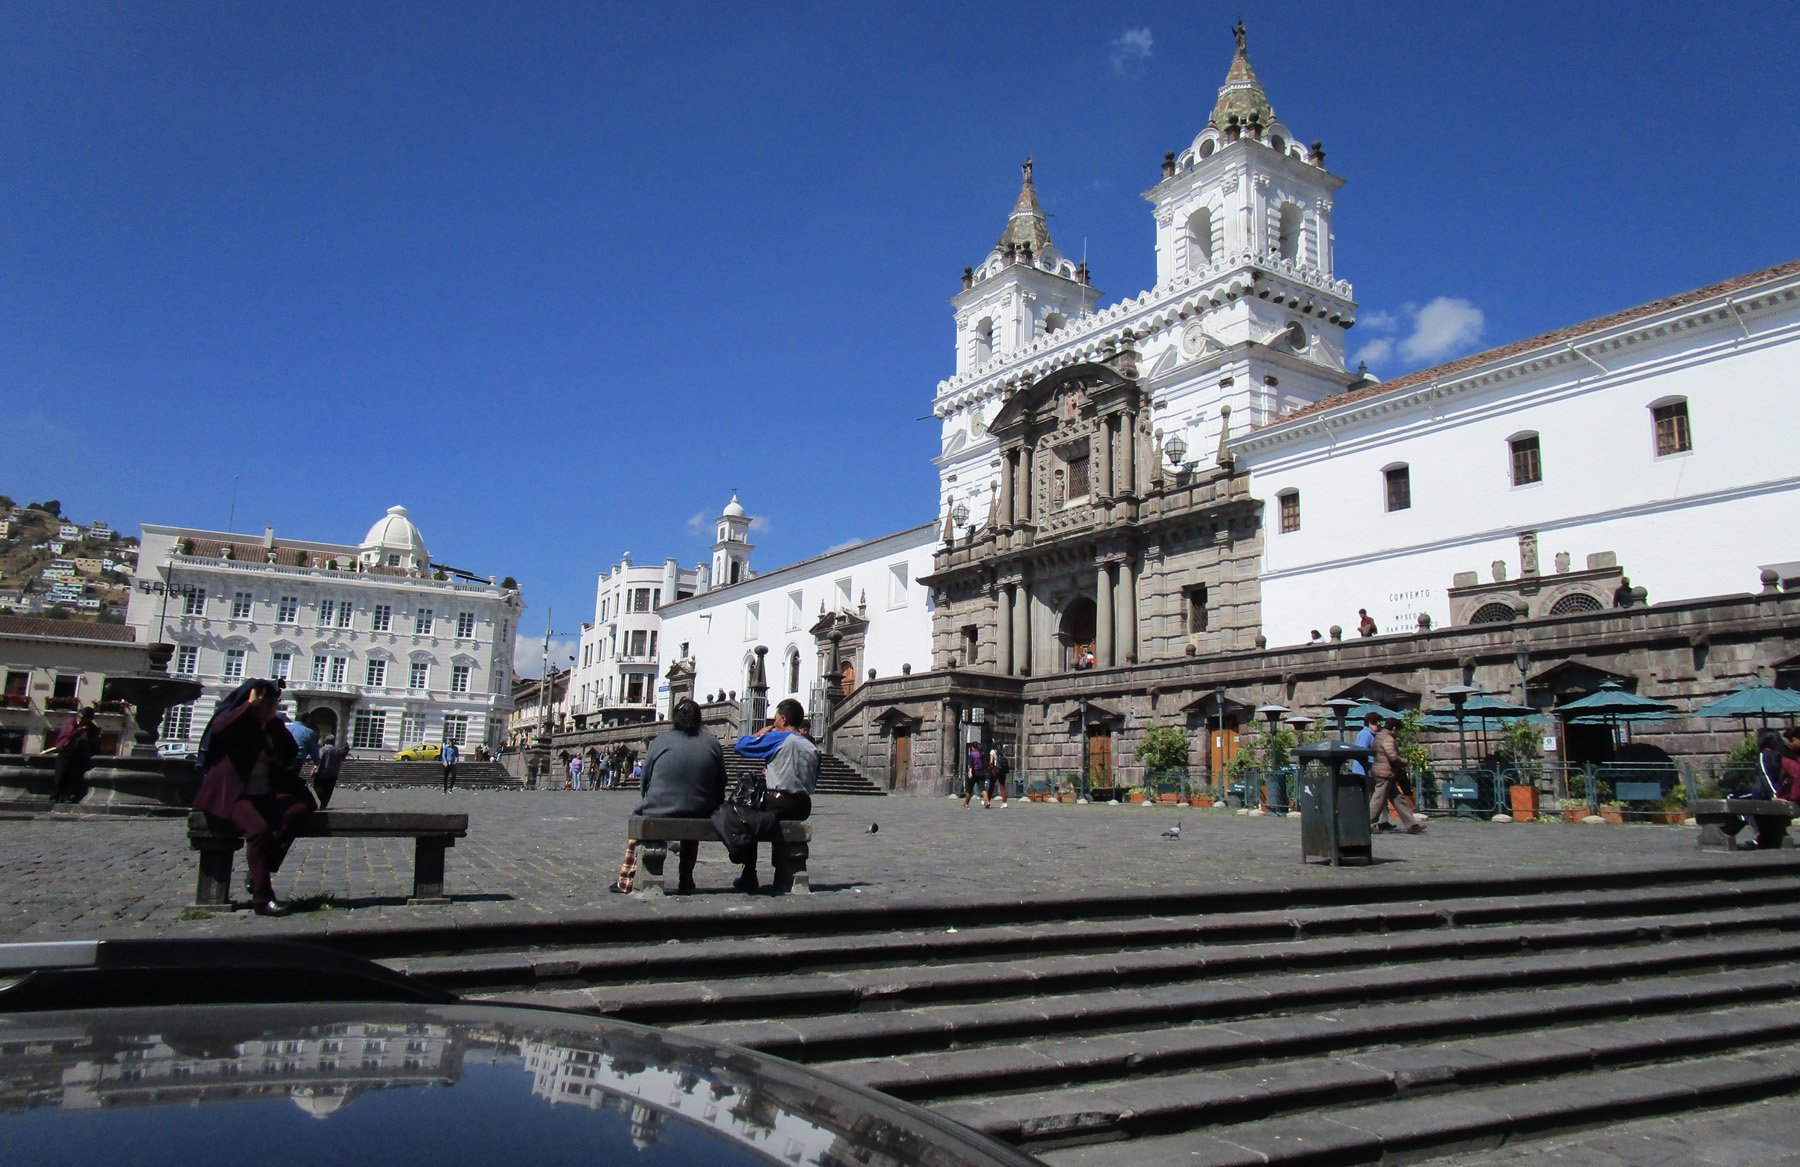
(1176, 448)
(959, 514)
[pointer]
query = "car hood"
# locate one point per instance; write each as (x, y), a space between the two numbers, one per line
(396, 1084)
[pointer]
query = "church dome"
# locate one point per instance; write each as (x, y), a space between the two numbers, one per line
(395, 535)
(733, 509)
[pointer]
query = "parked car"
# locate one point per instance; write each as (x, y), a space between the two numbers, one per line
(169, 1051)
(423, 752)
(181, 751)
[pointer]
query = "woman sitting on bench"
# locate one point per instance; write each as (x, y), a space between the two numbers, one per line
(684, 777)
(251, 782)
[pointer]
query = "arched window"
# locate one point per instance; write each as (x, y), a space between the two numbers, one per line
(1199, 239)
(793, 670)
(1495, 613)
(1290, 230)
(1527, 462)
(1290, 510)
(1669, 422)
(1575, 602)
(984, 339)
(1053, 322)
(1397, 480)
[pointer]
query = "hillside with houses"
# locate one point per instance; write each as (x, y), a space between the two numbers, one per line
(51, 565)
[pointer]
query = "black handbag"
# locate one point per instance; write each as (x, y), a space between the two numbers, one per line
(750, 792)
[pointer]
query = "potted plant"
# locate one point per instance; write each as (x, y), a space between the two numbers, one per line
(1673, 809)
(1134, 794)
(1522, 746)
(1613, 812)
(1163, 754)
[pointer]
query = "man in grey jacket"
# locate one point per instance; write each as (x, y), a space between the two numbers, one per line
(792, 774)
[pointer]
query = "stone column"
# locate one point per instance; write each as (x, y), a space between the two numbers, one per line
(1128, 614)
(1022, 631)
(1103, 484)
(1103, 617)
(1128, 451)
(1028, 504)
(1003, 641)
(1007, 514)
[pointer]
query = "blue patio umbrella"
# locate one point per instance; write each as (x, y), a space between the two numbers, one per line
(1753, 701)
(1612, 703)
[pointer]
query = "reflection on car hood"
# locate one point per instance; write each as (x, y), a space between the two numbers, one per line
(441, 1085)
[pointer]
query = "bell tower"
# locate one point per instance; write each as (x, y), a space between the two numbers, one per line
(731, 551)
(1248, 208)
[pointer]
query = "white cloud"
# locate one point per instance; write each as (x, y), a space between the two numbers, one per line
(698, 523)
(1446, 326)
(1129, 48)
(528, 653)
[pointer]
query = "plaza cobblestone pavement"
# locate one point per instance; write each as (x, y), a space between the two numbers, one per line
(539, 856)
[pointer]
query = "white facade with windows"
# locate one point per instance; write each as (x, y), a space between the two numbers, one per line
(874, 584)
(375, 644)
(616, 669)
(1654, 440)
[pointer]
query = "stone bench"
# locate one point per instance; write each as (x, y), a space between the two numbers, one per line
(1721, 819)
(433, 833)
(655, 834)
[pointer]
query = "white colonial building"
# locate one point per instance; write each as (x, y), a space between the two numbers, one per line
(860, 611)
(616, 673)
(377, 646)
(1532, 480)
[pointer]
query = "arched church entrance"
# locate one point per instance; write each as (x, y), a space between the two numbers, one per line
(1078, 633)
(322, 721)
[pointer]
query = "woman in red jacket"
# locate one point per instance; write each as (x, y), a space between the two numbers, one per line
(252, 782)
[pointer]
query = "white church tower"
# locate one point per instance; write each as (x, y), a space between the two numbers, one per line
(731, 551)
(1247, 210)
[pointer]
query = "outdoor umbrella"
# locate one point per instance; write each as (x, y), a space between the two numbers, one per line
(1612, 704)
(1753, 701)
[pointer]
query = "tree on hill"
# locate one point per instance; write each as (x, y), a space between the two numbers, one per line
(51, 506)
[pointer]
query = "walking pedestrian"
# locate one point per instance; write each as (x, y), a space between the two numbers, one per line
(449, 758)
(999, 769)
(575, 768)
(325, 774)
(975, 775)
(1387, 770)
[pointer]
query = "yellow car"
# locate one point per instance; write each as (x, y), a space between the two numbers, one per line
(425, 752)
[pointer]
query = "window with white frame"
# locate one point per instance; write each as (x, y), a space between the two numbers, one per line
(193, 602)
(241, 603)
(423, 620)
(287, 610)
(327, 613)
(456, 728)
(381, 618)
(459, 678)
(234, 665)
(187, 660)
(178, 723)
(281, 664)
(653, 642)
(897, 580)
(637, 642)
(412, 728)
(752, 615)
(343, 613)
(796, 609)
(368, 729)
(465, 625)
(318, 670)
(418, 676)
(1670, 426)
(340, 669)
(376, 673)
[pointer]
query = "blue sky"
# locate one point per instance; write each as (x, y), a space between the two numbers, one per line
(560, 277)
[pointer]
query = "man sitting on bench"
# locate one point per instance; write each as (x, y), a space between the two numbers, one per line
(791, 776)
(684, 777)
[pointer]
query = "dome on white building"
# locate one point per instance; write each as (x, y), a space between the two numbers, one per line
(733, 509)
(395, 542)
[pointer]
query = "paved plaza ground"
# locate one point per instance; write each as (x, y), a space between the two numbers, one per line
(533, 856)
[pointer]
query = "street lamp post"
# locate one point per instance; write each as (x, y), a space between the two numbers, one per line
(1218, 767)
(1341, 707)
(1087, 752)
(1458, 696)
(1273, 713)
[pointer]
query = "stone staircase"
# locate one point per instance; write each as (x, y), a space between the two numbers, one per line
(836, 776)
(387, 772)
(1180, 1028)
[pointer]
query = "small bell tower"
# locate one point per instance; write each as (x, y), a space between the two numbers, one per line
(731, 551)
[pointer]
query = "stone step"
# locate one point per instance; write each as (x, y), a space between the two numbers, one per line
(627, 960)
(387, 772)
(1411, 1128)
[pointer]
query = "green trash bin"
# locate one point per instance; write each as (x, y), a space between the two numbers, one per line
(1334, 803)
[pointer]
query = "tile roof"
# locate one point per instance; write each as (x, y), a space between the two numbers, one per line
(1543, 340)
(66, 629)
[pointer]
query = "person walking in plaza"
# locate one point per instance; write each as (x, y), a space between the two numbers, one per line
(1387, 770)
(325, 774)
(250, 782)
(449, 758)
(975, 776)
(575, 769)
(791, 776)
(74, 745)
(684, 777)
(998, 771)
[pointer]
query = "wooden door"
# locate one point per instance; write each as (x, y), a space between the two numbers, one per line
(848, 677)
(1099, 756)
(901, 762)
(1223, 748)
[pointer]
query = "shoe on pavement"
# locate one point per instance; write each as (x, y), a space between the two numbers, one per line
(1416, 829)
(271, 908)
(746, 882)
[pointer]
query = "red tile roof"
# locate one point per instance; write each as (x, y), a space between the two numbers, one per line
(66, 629)
(1543, 340)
